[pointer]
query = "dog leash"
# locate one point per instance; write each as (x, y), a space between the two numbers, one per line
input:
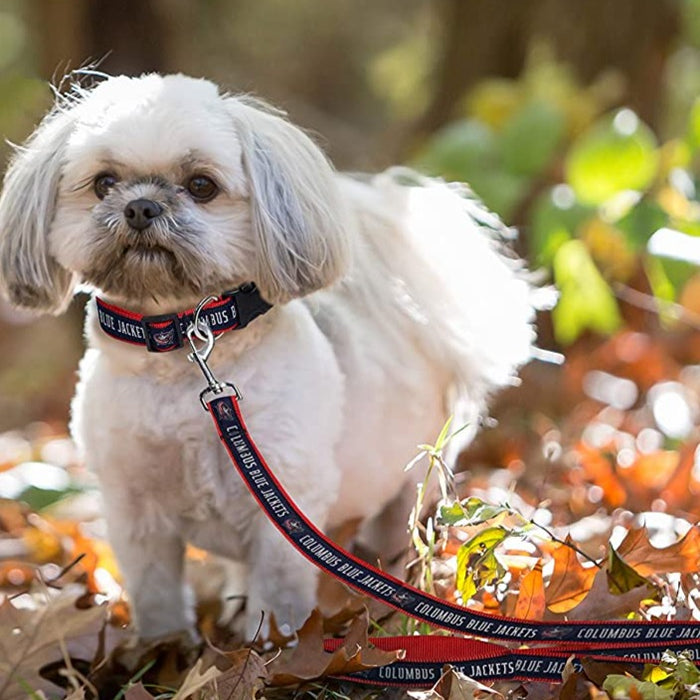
(423, 657)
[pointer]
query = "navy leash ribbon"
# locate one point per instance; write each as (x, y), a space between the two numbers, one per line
(629, 641)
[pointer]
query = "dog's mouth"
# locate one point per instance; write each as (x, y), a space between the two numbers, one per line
(148, 251)
(138, 270)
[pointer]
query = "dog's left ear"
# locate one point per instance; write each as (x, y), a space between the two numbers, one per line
(298, 219)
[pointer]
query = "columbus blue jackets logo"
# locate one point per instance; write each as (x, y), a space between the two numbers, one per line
(164, 338)
(225, 411)
(293, 526)
(555, 633)
(402, 598)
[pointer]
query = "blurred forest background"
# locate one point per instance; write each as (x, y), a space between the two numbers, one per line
(575, 121)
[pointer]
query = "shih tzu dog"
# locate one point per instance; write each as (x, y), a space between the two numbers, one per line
(388, 307)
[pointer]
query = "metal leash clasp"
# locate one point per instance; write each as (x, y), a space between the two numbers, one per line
(200, 330)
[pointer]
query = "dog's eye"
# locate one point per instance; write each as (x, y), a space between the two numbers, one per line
(103, 184)
(202, 188)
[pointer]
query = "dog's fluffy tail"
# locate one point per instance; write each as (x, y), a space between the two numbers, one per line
(451, 276)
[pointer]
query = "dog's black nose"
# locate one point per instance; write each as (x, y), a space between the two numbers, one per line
(139, 213)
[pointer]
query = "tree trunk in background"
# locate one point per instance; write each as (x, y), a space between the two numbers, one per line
(60, 26)
(126, 36)
(129, 36)
(479, 38)
(491, 38)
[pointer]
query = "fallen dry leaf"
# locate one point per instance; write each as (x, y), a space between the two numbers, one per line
(680, 557)
(576, 687)
(196, 679)
(309, 660)
(454, 685)
(601, 604)
(138, 692)
(570, 581)
(597, 671)
(243, 678)
(530, 604)
(31, 638)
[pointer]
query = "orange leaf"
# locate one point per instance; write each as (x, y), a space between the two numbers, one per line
(570, 580)
(599, 470)
(678, 489)
(530, 604)
(682, 556)
(653, 470)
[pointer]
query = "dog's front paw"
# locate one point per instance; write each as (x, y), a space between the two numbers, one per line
(291, 608)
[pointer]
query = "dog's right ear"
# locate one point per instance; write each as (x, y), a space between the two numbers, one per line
(30, 277)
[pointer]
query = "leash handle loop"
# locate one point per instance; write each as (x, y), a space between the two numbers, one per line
(551, 643)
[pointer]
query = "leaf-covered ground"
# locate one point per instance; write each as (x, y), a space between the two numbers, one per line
(580, 503)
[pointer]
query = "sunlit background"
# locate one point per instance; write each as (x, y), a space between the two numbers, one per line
(579, 124)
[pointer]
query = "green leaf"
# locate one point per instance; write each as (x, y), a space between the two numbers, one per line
(681, 666)
(442, 438)
(476, 560)
(556, 217)
(459, 151)
(454, 514)
(38, 498)
(488, 538)
(694, 125)
(621, 576)
(586, 301)
(501, 191)
(641, 222)
(471, 511)
(678, 272)
(618, 686)
(661, 285)
(614, 155)
(531, 137)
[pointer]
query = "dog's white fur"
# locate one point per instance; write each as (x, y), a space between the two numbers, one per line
(392, 309)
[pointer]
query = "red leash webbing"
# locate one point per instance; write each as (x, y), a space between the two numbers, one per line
(631, 641)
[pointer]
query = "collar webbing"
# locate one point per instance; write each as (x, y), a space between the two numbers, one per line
(166, 332)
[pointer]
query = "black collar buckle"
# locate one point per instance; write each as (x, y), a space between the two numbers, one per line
(249, 303)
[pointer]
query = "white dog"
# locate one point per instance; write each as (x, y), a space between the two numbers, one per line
(391, 308)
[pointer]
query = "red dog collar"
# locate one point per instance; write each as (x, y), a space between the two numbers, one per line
(166, 332)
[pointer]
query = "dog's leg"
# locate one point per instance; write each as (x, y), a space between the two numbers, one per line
(151, 560)
(280, 581)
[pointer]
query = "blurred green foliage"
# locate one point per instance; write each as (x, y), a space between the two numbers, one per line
(588, 185)
(22, 96)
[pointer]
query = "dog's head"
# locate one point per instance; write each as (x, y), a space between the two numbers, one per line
(163, 187)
